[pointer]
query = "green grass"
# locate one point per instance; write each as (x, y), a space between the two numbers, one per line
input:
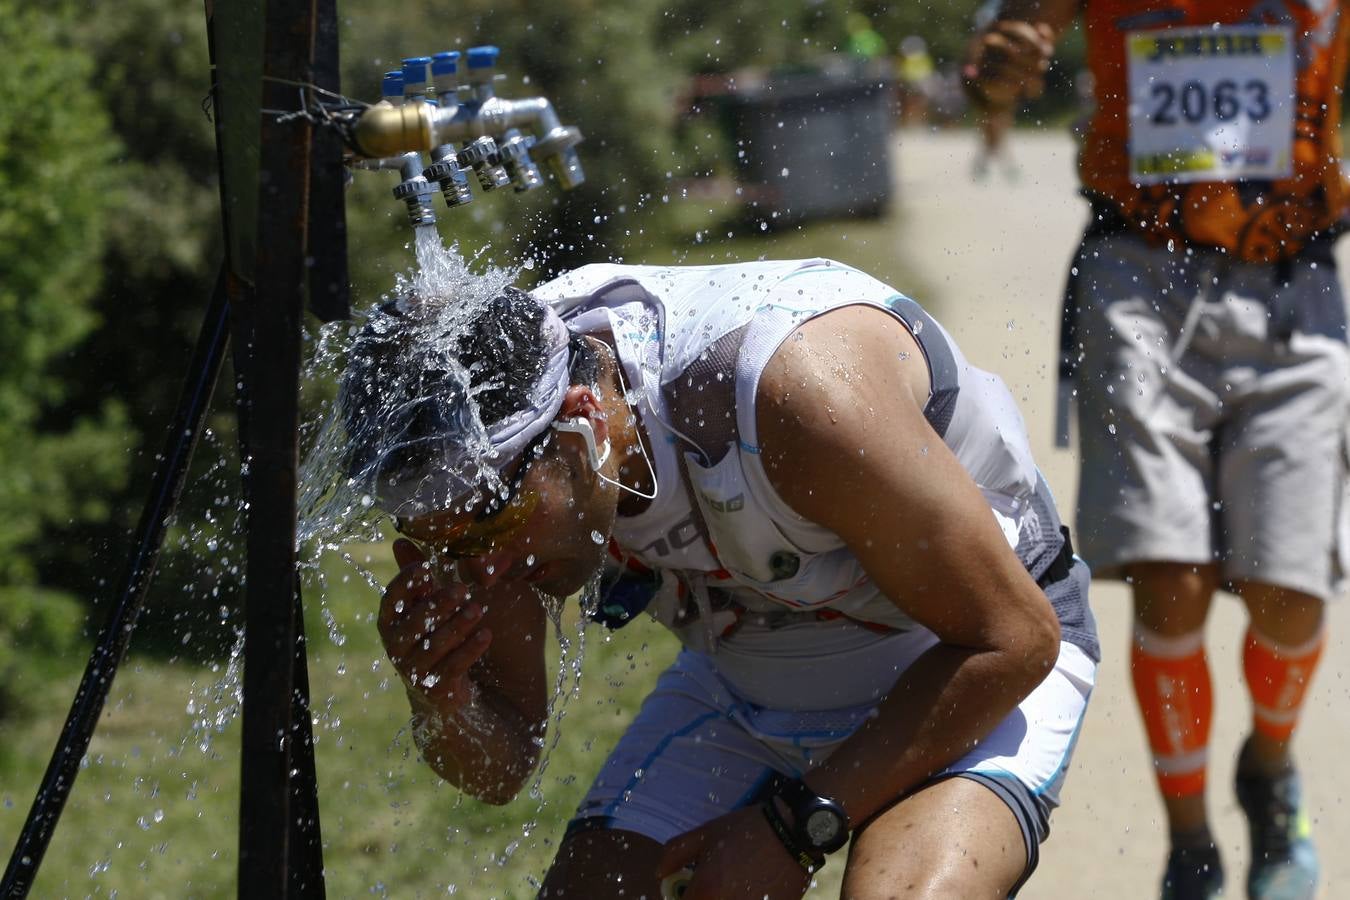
(154, 813)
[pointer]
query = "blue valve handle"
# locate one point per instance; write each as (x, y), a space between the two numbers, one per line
(415, 69)
(484, 57)
(445, 63)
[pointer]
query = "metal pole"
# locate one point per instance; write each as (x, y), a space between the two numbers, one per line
(306, 838)
(329, 287)
(273, 380)
(111, 643)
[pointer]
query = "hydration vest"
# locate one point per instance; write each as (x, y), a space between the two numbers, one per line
(693, 342)
(1218, 67)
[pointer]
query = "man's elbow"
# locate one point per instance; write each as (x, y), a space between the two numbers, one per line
(1039, 642)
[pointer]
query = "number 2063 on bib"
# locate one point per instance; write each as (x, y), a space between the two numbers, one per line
(1211, 104)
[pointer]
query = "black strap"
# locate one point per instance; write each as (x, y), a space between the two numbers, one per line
(809, 861)
(1063, 562)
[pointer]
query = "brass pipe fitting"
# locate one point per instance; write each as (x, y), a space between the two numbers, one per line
(385, 130)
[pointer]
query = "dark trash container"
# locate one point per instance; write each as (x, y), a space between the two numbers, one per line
(813, 145)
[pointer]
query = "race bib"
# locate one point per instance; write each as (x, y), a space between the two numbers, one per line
(1211, 103)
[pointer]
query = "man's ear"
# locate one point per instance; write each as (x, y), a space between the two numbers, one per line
(580, 402)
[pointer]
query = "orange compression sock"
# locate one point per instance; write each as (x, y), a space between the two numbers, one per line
(1176, 699)
(1278, 677)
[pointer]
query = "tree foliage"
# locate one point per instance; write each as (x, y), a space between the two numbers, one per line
(58, 465)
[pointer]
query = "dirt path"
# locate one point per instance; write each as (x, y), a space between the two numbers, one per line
(994, 256)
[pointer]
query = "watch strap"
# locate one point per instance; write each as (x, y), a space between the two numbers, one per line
(809, 861)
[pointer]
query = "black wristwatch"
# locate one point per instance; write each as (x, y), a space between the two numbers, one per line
(819, 825)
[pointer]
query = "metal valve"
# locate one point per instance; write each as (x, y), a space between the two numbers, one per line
(446, 172)
(483, 157)
(554, 149)
(415, 191)
(515, 157)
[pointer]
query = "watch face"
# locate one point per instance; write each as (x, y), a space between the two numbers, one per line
(823, 827)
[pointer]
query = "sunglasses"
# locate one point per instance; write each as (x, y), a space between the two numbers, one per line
(502, 518)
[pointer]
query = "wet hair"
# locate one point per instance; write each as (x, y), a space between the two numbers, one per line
(503, 349)
(399, 361)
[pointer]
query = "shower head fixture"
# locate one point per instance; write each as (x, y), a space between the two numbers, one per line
(446, 107)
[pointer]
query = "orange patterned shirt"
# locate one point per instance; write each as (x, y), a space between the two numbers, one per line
(1257, 219)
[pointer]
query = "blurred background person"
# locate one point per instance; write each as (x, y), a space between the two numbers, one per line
(863, 40)
(917, 73)
(994, 121)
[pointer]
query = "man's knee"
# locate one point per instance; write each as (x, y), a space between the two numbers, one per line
(955, 838)
(1172, 599)
(1282, 614)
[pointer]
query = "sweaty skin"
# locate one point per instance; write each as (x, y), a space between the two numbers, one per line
(845, 441)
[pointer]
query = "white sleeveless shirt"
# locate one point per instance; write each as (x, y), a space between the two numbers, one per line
(769, 559)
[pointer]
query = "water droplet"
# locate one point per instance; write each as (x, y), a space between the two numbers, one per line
(597, 537)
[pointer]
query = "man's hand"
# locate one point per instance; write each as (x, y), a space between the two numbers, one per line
(735, 855)
(1008, 63)
(432, 632)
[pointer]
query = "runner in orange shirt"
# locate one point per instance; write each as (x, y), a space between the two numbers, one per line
(1206, 337)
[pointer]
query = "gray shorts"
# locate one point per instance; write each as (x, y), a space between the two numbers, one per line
(696, 751)
(1212, 411)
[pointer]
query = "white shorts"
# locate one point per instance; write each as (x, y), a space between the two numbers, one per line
(695, 751)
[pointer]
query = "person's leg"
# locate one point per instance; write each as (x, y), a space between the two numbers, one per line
(1146, 410)
(1280, 477)
(1281, 652)
(1149, 404)
(1175, 695)
(1280, 655)
(1172, 685)
(954, 838)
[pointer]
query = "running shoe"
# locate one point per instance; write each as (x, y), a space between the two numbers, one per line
(1193, 873)
(1284, 861)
